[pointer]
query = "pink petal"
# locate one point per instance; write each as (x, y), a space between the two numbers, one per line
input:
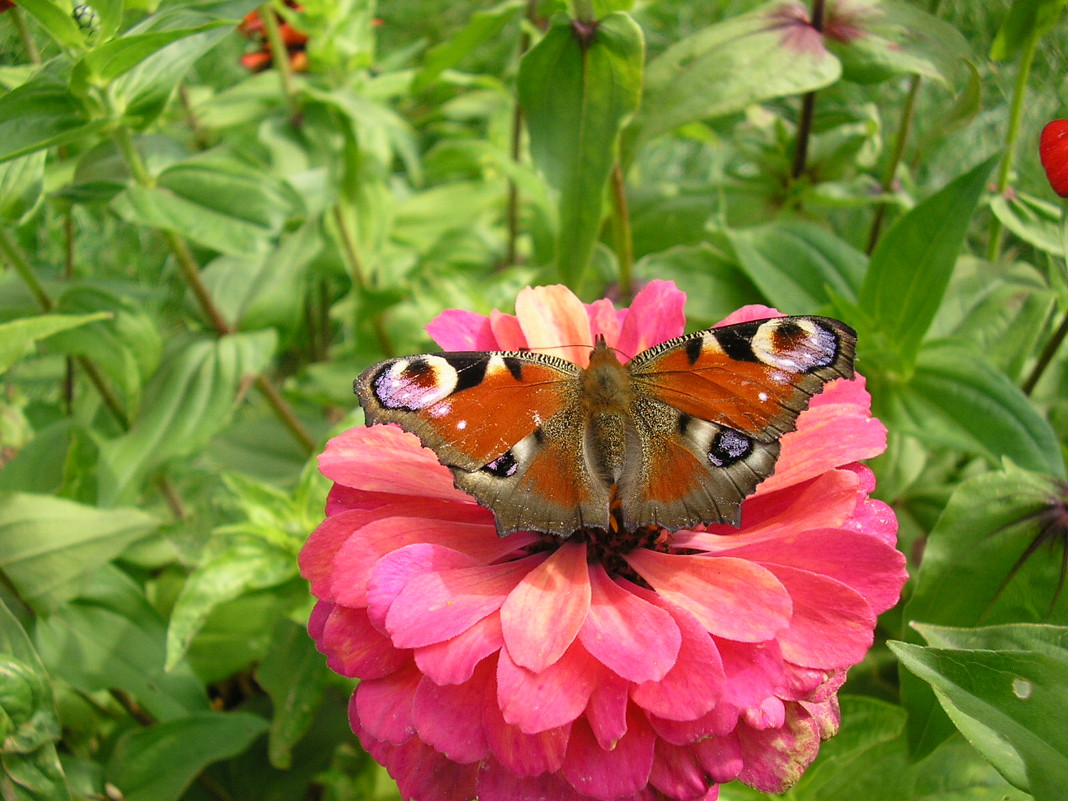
(384, 706)
(507, 331)
(318, 617)
(454, 660)
(827, 436)
(499, 784)
(419, 770)
(754, 671)
(771, 714)
(774, 759)
(875, 518)
(553, 697)
(753, 311)
(456, 329)
(354, 647)
(450, 718)
(853, 392)
(606, 711)
(605, 320)
(720, 720)
(624, 770)
(868, 565)
(545, 611)
(696, 681)
(826, 716)
(392, 573)
(677, 774)
(721, 757)
(524, 754)
(832, 624)
(358, 556)
(553, 317)
(436, 606)
(655, 316)
(630, 636)
(384, 458)
(732, 598)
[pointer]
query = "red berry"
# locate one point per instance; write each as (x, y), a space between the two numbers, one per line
(1053, 151)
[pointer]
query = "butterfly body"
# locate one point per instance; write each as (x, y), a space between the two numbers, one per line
(676, 437)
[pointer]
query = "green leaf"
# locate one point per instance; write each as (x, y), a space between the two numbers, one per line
(912, 264)
(294, 675)
(111, 637)
(795, 263)
(49, 547)
(890, 38)
(482, 28)
(57, 21)
(159, 763)
(1026, 19)
(29, 726)
(984, 530)
(955, 398)
(185, 405)
(42, 113)
(1035, 221)
(21, 184)
(244, 565)
(729, 66)
(1003, 701)
(578, 88)
(18, 336)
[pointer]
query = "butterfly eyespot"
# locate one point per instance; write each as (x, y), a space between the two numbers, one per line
(728, 447)
(794, 344)
(503, 466)
(414, 384)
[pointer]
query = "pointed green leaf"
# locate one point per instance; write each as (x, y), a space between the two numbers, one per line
(186, 404)
(726, 67)
(57, 21)
(483, 27)
(1026, 19)
(912, 264)
(21, 185)
(42, 113)
(159, 763)
(1004, 702)
(18, 336)
(578, 86)
(50, 546)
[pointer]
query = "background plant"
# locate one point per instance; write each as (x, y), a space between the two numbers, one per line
(199, 259)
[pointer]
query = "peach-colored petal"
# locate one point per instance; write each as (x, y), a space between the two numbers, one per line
(436, 606)
(543, 614)
(507, 331)
(713, 588)
(456, 329)
(605, 321)
(553, 318)
(655, 316)
(634, 638)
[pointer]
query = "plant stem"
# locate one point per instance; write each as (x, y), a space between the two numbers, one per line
(352, 258)
(280, 58)
(1019, 92)
(191, 272)
(14, 256)
(26, 35)
(808, 107)
(622, 234)
(1053, 344)
(903, 129)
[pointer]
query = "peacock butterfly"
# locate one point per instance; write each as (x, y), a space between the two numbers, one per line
(676, 437)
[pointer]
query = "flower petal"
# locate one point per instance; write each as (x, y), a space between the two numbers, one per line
(384, 458)
(552, 697)
(436, 606)
(774, 759)
(355, 648)
(624, 770)
(453, 661)
(507, 331)
(716, 589)
(832, 625)
(419, 770)
(553, 317)
(605, 320)
(496, 783)
(656, 315)
(450, 718)
(457, 329)
(677, 774)
(392, 573)
(637, 640)
(543, 614)
(696, 681)
(754, 671)
(721, 757)
(606, 711)
(384, 706)
(524, 754)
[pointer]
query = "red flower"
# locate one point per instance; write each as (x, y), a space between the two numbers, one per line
(6, 5)
(1053, 151)
(294, 40)
(522, 667)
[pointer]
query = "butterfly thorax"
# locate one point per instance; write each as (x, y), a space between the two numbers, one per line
(607, 395)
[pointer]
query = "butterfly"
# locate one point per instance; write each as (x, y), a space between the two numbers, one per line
(676, 437)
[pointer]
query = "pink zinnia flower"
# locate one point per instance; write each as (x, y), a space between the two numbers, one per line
(531, 666)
